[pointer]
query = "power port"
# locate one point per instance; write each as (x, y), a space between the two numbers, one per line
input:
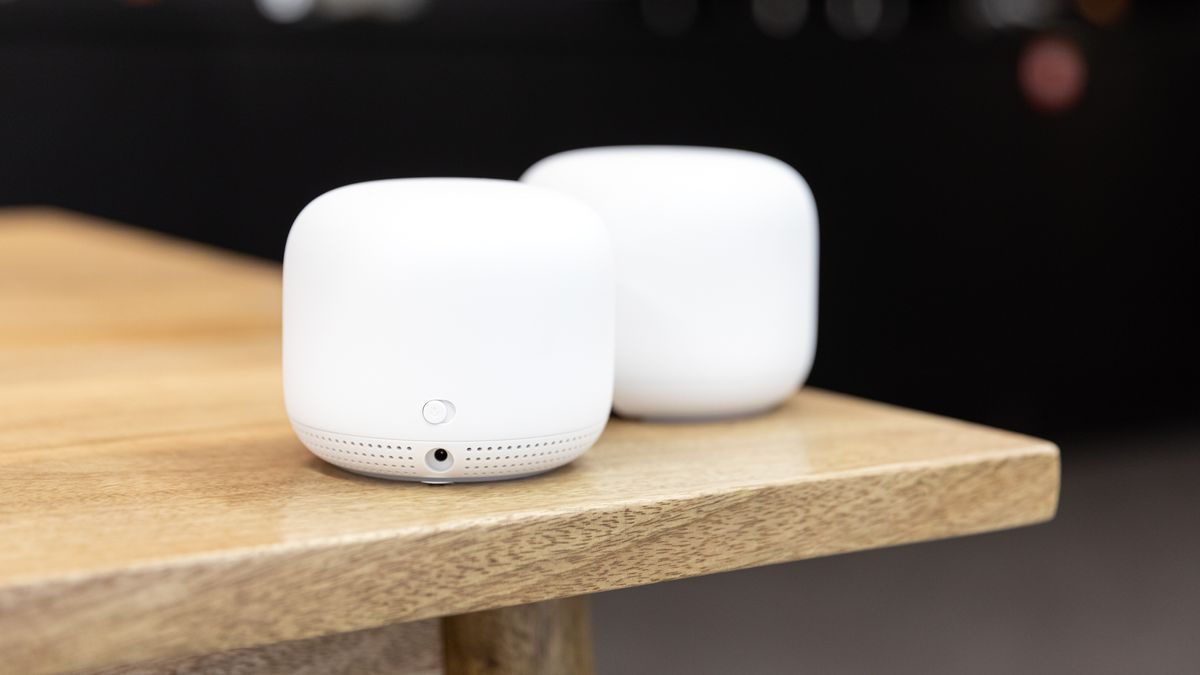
(439, 459)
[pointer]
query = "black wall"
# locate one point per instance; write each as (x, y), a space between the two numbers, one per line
(979, 258)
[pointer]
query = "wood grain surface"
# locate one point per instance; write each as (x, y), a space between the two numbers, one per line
(553, 637)
(155, 504)
(413, 648)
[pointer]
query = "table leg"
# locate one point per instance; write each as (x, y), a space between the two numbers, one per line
(545, 638)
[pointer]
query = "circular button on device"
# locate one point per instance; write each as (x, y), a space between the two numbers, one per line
(437, 411)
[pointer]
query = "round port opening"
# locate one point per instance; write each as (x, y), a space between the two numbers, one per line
(439, 459)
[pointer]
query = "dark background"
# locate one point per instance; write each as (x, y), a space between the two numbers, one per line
(979, 258)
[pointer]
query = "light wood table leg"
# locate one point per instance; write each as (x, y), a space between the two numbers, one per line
(545, 638)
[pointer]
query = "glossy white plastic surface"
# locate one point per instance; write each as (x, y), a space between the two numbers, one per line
(716, 273)
(460, 314)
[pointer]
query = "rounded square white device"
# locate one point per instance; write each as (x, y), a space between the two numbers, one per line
(448, 329)
(716, 255)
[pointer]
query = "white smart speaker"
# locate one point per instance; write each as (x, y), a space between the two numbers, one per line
(447, 330)
(716, 254)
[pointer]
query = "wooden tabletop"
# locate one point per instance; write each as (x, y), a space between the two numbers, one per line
(155, 503)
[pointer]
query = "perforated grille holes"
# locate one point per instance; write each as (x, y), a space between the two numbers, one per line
(472, 461)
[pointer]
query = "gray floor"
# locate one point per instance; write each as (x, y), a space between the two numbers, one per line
(1111, 586)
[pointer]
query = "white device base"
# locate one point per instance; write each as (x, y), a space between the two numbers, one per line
(467, 461)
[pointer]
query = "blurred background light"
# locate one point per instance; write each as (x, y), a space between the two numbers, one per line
(854, 19)
(1001, 14)
(858, 19)
(779, 18)
(1052, 74)
(291, 11)
(1103, 12)
(285, 11)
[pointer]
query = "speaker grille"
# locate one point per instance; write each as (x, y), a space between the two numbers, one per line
(473, 461)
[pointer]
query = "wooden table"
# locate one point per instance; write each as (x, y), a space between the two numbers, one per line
(155, 507)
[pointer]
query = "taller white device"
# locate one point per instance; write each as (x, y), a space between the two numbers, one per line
(716, 274)
(447, 330)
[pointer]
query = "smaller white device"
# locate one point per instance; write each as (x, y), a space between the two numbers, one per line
(448, 330)
(716, 256)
